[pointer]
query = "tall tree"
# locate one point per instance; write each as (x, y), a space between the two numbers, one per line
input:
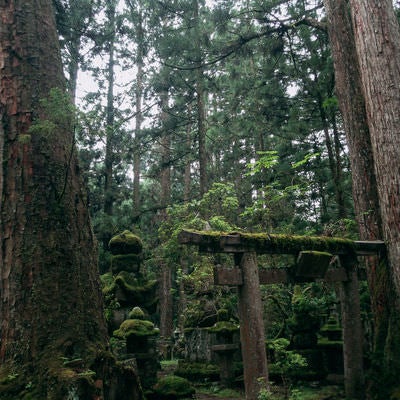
(352, 100)
(200, 96)
(166, 301)
(377, 42)
(74, 20)
(110, 117)
(139, 111)
(51, 303)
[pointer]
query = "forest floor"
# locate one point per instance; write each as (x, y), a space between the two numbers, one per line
(201, 396)
(317, 391)
(301, 393)
(211, 397)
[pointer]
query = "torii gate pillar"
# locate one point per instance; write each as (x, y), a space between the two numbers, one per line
(352, 332)
(252, 331)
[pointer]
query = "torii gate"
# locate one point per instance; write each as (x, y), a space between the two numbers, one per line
(246, 276)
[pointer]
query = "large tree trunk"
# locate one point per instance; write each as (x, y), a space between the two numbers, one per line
(377, 41)
(365, 191)
(51, 304)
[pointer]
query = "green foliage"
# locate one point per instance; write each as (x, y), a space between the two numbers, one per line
(285, 360)
(267, 160)
(58, 113)
(220, 201)
(264, 392)
(306, 301)
(305, 160)
(173, 387)
(196, 371)
(218, 392)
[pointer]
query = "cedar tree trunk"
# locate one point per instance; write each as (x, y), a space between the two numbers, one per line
(53, 340)
(166, 299)
(377, 42)
(365, 191)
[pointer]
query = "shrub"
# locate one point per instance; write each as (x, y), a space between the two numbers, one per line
(173, 387)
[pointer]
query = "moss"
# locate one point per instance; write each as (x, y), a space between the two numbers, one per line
(292, 243)
(107, 279)
(223, 327)
(173, 387)
(125, 243)
(125, 262)
(223, 314)
(136, 313)
(138, 291)
(325, 342)
(135, 327)
(24, 138)
(130, 283)
(199, 372)
(273, 243)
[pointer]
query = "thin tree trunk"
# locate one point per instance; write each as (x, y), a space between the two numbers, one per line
(201, 107)
(340, 198)
(334, 162)
(139, 116)
(109, 158)
(188, 166)
(166, 300)
(73, 67)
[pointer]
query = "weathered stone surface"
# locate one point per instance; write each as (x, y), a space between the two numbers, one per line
(125, 243)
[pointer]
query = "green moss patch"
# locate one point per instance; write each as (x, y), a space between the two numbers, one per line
(269, 243)
(128, 289)
(125, 262)
(135, 327)
(198, 372)
(129, 283)
(125, 243)
(173, 387)
(224, 327)
(136, 313)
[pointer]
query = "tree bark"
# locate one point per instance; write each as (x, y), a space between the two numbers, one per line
(188, 165)
(201, 107)
(365, 189)
(51, 303)
(109, 158)
(166, 299)
(377, 42)
(139, 114)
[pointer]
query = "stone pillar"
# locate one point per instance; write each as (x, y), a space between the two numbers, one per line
(352, 332)
(252, 335)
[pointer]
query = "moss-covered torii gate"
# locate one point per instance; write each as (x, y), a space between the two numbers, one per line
(313, 261)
